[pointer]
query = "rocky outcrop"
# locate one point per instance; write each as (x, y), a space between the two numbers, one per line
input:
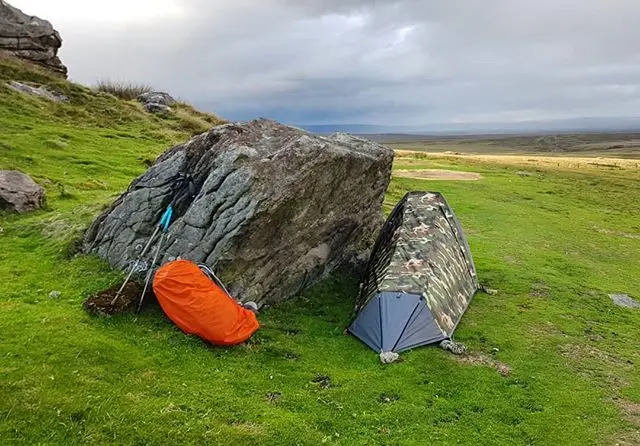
(157, 97)
(29, 37)
(41, 91)
(19, 193)
(274, 208)
(157, 101)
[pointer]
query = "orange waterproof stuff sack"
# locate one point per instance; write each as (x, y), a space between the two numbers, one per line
(199, 306)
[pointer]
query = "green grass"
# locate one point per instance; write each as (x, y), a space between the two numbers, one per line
(553, 244)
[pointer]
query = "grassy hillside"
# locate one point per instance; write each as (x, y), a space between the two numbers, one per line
(67, 145)
(552, 361)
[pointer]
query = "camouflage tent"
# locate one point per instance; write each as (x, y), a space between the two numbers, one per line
(420, 278)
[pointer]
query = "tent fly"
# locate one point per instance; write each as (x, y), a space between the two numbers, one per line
(420, 278)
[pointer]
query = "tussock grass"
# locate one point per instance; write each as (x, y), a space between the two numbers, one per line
(188, 119)
(127, 91)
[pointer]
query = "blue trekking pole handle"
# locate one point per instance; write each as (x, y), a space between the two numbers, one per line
(165, 221)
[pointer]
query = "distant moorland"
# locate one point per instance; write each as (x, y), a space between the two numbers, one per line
(616, 145)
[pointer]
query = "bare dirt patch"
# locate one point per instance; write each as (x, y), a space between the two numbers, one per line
(539, 289)
(630, 410)
(591, 362)
(630, 438)
(100, 304)
(578, 353)
(438, 174)
(546, 329)
(323, 381)
(616, 233)
(485, 360)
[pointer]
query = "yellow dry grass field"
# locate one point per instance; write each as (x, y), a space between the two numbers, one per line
(556, 162)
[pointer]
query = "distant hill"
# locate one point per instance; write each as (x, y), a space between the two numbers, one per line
(325, 129)
(574, 125)
(591, 144)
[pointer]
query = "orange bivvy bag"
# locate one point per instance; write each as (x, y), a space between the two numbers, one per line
(199, 306)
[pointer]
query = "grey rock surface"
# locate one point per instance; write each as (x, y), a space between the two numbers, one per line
(29, 37)
(157, 102)
(157, 97)
(388, 357)
(624, 300)
(275, 208)
(40, 91)
(152, 107)
(19, 193)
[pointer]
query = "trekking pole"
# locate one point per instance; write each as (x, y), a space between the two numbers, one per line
(165, 221)
(183, 187)
(135, 264)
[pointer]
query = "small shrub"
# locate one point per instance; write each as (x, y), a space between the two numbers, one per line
(123, 90)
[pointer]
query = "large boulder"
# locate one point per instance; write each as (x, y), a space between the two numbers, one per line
(29, 37)
(275, 208)
(19, 193)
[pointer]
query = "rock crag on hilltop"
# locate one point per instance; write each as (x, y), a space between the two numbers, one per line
(31, 38)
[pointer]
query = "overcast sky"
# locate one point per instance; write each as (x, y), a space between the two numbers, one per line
(405, 62)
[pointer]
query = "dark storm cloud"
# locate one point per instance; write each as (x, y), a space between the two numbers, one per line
(383, 62)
